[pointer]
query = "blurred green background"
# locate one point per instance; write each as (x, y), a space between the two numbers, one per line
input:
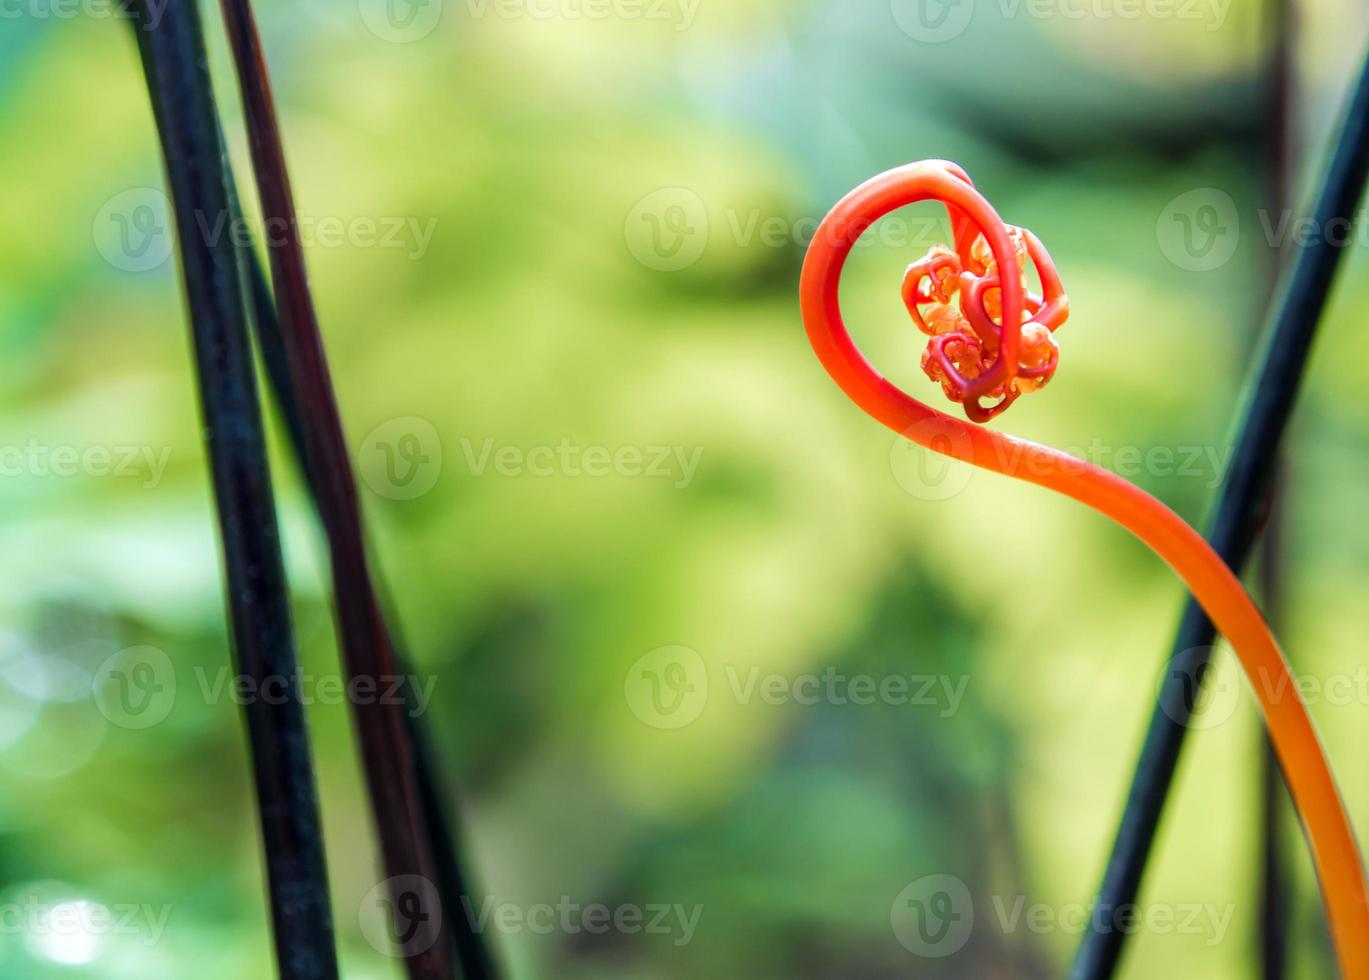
(555, 249)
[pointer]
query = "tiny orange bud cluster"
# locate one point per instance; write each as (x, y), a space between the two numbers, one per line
(957, 301)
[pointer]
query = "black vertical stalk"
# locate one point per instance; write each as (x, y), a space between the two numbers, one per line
(1242, 505)
(444, 832)
(1276, 888)
(393, 762)
(440, 818)
(258, 604)
(1272, 923)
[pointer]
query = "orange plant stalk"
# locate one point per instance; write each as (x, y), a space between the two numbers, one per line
(991, 342)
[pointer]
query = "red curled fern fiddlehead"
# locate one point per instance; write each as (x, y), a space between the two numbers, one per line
(990, 341)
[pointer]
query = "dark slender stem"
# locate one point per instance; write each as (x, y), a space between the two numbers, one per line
(399, 778)
(444, 834)
(1275, 886)
(453, 885)
(1242, 505)
(1272, 922)
(174, 59)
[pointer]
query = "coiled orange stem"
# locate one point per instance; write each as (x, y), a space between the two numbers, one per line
(1213, 584)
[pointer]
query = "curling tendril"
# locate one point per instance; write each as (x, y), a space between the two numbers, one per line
(990, 341)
